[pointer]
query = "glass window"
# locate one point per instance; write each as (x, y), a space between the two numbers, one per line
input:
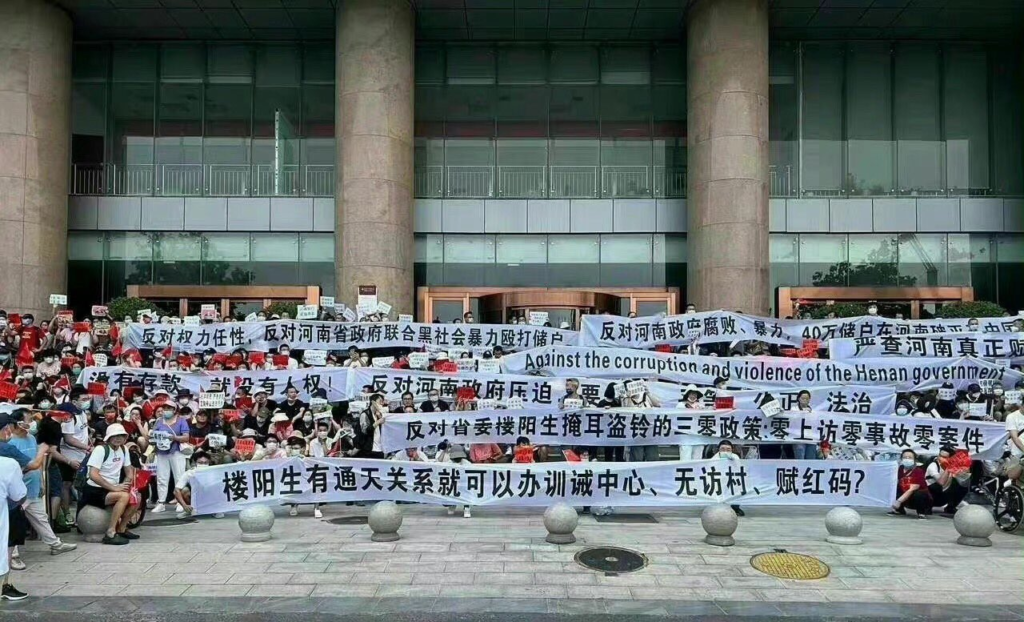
(85, 246)
(431, 108)
(922, 260)
(972, 263)
(670, 64)
(919, 148)
(872, 260)
(626, 111)
(823, 260)
(90, 62)
(429, 248)
(318, 63)
(468, 249)
(471, 64)
(278, 65)
(669, 110)
(670, 167)
(965, 112)
(275, 142)
(514, 249)
(574, 249)
(316, 247)
(275, 259)
(783, 106)
(520, 64)
(869, 119)
(229, 63)
(177, 258)
(626, 260)
(88, 132)
(574, 168)
(131, 111)
(574, 111)
(470, 111)
(1010, 253)
(134, 62)
(522, 111)
(182, 61)
(469, 166)
(626, 168)
(625, 65)
(226, 259)
(428, 165)
(823, 119)
(318, 144)
(228, 128)
(1007, 121)
(179, 142)
(784, 271)
(429, 64)
(573, 64)
(521, 167)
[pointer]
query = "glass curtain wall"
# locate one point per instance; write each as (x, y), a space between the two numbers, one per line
(907, 118)
(557, 120)
(203, 119)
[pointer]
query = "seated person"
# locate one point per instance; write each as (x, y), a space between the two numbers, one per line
(109, 485)
(945, 488)
(911, 488)
(523, 452)
(483, 453)
(183, 489)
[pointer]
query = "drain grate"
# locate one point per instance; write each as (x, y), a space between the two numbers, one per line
(168, 522)
(785, 565)
(347, 520)
(625, 518)
(611, 560)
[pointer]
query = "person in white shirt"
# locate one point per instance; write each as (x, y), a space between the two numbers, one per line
(945, 488)
(1015, 428)
(105, 487)
(183, 488)
(13, 489)
(725, 452)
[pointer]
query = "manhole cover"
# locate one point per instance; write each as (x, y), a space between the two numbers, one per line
(625, 518)
(611, 560)
(168, 522)
(790, 565)
(348, 520)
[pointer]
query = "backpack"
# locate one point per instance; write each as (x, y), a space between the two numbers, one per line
(82, 475)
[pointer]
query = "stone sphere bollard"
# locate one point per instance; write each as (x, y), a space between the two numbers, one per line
(560, 520)
(256, 521)
(385, 519)
(974, 524)
(93, 523)
(719, 522)
(843, 525)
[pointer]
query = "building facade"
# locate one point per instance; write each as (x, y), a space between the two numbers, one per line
(722, 147)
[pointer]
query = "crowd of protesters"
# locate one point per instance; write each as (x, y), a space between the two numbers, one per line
(135, 450)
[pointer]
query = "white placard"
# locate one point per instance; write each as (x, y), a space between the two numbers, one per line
(364, 310)
(636, 388)
(514, 403)
(357, 406)
(947, 394)
(466, 364)
(320, 416)
(986, 385)
(367, 300)
(349, 314)
(207, 308)
(211, 400)
(383, 361)
(191, 320)
(174, 321)
(538, 318)
(315, 358)
(694, 333)
(99, 311)
(1012, 397)
(977, 410)
(771, 408)
(456, 353)
(383, 308)
(316, 403)
(488, 366)
(208, 314)
(418, 360)
(487, 404)
(251, 317)
(326, 302)
(58, 299)
(572, 403)
(306, 312)
(216, 441)
(143, 313)
(100, 359)
(405, 318)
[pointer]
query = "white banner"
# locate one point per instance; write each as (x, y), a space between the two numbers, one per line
(759, 372)
(664, 426)
(334, 380)
(725, 326)
(231, 487)
(991, 346)
(227, 337)
(863, 400)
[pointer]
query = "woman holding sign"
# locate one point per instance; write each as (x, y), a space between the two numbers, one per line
(167, 434)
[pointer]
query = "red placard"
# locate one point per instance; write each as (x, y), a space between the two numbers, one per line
(725, 403)
(245, 445)
(67, 314)
(219, 358)
(663, 348)
(447, 367)
(958, 463)
(14, 319)
(571, 456)
(466, 393)
(258, 358)
(244, 403)
(8, 390)
(281, 360)
(97, 388)
(82, 327)
(68, 361)
(231, 416)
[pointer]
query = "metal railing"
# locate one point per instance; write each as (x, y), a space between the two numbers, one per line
(470, 181)
(780, 180)
(669, 182)
(573, 181)
(521, 182)
(429, 181)
(625, 181)
(231, 180)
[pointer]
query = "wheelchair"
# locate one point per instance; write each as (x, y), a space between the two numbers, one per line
(1004, 494)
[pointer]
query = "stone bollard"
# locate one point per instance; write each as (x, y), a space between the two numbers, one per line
(256, 521)
(385, 519)
(93, 523)
(560, 520)
(975, 524)
(843, 525)
(719, 522)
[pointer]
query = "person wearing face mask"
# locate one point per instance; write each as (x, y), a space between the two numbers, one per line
(370, 422)
(280, 426)
(872, 309)
(291, 363)
(12, 495)
(726, 452)
(925, 408)
(973, 325)
(434, 403)
(183, 488)
(296, 448)
(49, 366)
(692, 400)
(167, 434)
(272, 449)
(903, 408)
(296, 410)
(185, 399)
(27, 376)
(911, 488)
(75, 444)
(643, 400)
(946, 489)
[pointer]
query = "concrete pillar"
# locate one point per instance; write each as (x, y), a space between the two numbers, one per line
(35, 131)
(727, 141)
(374, 127)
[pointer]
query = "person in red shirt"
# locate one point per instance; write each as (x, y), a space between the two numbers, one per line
(31, 336)
(911, 488)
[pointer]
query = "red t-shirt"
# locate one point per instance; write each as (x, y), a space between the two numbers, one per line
(905, 480)
(32, 335)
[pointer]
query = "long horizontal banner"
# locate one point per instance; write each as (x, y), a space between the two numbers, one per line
(664, 426)
(334, 380)
(758, 372)
(863, 400)
(725, 326)
(313, 335)
(1000, 347)
(231, 487)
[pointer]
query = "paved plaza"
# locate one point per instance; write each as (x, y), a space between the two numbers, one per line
(498, 562)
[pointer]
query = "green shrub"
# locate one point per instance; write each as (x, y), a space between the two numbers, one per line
(841, 309)
(978, 309)
(281, 307)
(120, 308)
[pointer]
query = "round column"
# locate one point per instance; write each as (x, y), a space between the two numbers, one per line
(35, 132)
(727, 152)
(374, 128)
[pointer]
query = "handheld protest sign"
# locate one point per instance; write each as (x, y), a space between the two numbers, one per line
(771, 407)
(986, 385)
(208, 314)
(99, 311)
(281, 360)
(465, 364)
(947, 394)
(725, 403)
(447, 367)
(636, 388)
(100, 360)
(97, 388)
(357, 406)
(316, 358)
(58, 300)
(82, 327)
(327, 302)
(514, 403)
(383, 308)
(211, 400)
(538, 318)
(306, 312)
(418, 360)
(216, 441)
(251, 317)
(693, 333)
(572, 403)
(1012, 397)
(231, 416)
(245, 446)
(977, 410)
(488, 366)
(349, 314)
(8, 390)
(316, 403)
(320, 416)
(383, 361)
(191, 320)
(365, 309)
(486, 404)
(405, 318)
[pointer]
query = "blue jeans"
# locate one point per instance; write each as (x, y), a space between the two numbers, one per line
(805, 451)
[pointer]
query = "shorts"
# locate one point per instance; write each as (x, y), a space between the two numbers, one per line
(1012, 461)
(55, 481)
(17, 526)
(67, 474)
(94, 496)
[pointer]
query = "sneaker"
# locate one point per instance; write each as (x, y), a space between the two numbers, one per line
(466, 513)
(17, 564)
(181, 515)
(159, 508)
(116, 540)
(127, 535)
(12, 593)
(317, 513)
(62, 547)
(178, 508)
(294, 511)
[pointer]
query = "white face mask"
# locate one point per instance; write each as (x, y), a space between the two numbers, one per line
(901, 411)
(307, 419)
(907, 463)
(271, 447)
(433, 399)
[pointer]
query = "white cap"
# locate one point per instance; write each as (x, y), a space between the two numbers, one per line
(564, 325)
(114, 429)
